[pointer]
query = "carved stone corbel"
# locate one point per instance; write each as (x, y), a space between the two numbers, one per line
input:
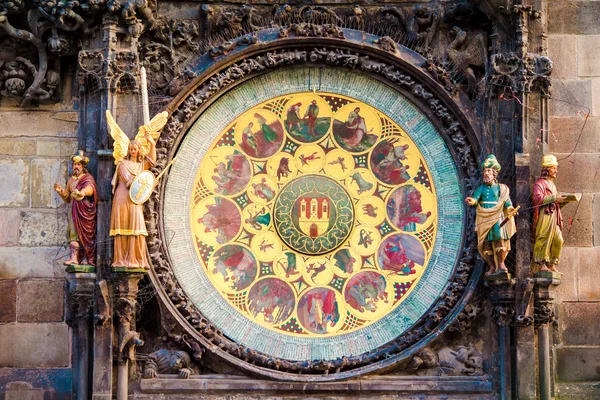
(544, 290)
(80, 298)
(503, 314)
(126, 289)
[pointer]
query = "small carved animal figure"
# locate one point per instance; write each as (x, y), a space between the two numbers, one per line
(284, 168)
(467, 56)
(362, 184)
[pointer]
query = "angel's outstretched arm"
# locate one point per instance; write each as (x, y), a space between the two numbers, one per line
(152, 153)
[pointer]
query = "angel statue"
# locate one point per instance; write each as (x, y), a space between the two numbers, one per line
(127, 223)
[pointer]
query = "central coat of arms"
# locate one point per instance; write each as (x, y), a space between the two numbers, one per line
(313, 214)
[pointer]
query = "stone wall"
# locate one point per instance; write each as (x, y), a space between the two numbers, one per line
(35, 145)
(574, 44)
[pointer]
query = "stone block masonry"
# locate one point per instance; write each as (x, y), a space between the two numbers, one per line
(574, 42)
(35, 147)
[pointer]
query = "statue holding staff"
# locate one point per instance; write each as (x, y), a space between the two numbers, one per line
(80, 193)
(132, 158)
(494, 223)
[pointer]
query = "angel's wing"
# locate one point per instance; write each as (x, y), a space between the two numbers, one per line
(121, 141)
(153, 127)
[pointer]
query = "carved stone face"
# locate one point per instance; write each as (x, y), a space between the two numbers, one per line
(429, 358)
(177, 361)
(171, 361)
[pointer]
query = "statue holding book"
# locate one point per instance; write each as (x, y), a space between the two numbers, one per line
(547, 218)
(494, 223)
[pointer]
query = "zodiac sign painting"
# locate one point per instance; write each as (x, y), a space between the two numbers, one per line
(228, 171)
(261, 133)
(235, 265)
(410, 206)
(307, 118)
(356, 127)
(320, 310)
(217, 220)
(401, 254)
(367, 294)
(391, 161)
(273, 299)
(308, 219)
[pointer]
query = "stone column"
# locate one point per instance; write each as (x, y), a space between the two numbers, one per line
(502, 295)
(80, 300)
(545, 284)
(108, 80)
(524, 346)
(126, 289)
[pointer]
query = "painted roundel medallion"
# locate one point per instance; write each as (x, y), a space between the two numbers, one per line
(312, 228)
(313, 215)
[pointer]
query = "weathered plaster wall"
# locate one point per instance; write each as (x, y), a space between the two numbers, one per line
(574, 46)
(35, 145)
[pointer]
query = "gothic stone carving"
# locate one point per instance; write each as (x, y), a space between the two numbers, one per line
(386, 43)
(166, 361)
(220, 81)
(465, 360)
(525, 75)
(310, 29)
(125, 310)
(503, 314)
(167, 48)
(464, 320)
(543, 313)
(102, 304)
(20, 78)
(423, 359)
(231, 45)
(80, 300)
(117, 74)
(468, 56)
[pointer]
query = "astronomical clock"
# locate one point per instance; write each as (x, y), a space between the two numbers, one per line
(312, 223)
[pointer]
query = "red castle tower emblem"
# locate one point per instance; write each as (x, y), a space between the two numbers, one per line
(313, 215)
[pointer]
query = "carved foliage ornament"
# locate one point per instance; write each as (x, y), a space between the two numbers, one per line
(219, 82)
(543, 313)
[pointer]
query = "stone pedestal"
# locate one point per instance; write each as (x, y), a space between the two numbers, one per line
(125, 290)
(80, 301)
(502, 295)
(544, 291)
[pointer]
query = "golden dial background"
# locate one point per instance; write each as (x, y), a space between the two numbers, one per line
(299, 293)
